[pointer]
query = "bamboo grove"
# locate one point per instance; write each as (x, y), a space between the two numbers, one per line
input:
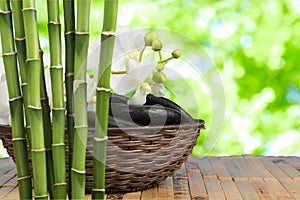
(28, 98)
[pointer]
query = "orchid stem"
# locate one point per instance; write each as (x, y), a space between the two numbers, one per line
(166, 60)
(160, 56)
(119, 72)
(141, 54)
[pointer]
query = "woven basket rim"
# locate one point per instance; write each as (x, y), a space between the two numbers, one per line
(196, 123)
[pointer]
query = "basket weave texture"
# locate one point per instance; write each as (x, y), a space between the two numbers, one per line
(137, 158)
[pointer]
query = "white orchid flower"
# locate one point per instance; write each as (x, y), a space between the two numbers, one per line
(4, 105)
(134, 80)
(157, 89)
(128, 44)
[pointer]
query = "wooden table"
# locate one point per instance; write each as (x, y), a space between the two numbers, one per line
(230, 177)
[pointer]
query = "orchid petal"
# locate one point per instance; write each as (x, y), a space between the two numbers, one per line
(124, 84)
(141, 72)
(4, 94)
(118, 60)
(124, 39)
(139, 42)
(93, 58)
(139, 97)
(158, 89)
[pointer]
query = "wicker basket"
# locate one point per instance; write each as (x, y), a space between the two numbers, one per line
(137, 158)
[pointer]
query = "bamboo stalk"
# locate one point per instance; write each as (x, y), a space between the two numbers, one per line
(102, 104)
(58, 109)
(80, 99)
(47, 129)
(69, 19)
(16, 102)
(38, 151)
(21, 48)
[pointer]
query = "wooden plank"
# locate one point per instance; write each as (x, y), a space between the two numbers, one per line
(165, 189)
(13, 182)
(273, 168)
(230, 189)
(132, 195)
(288, 169)
(205, 168)
(149, 194)
(278, 190)
(261, 189)
(246, 169)
(114, 196)
(214, 189)
(292, 186)
(192, 164)
(259, 168)
(13, 195)
(219, 168)
(234, 169)
(181, 173)
(6, 166)
(196, 183)
(294, 161)
(6, 177)
(180, 183)
(5, 191)
(246, 189)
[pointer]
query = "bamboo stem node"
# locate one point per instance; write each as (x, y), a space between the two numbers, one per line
(34, 107)
(28, 9)
(48, 149)
(83, 126)
(28, 127)
(14, 99)
(98, 139)
(78, 171)
(24, 177)
(9, 53)
(32, 59)
(38, 150)
(98, 190)
(56, 67)
(76, 84)
(59, 184)
(5, 12)
(18, 139)
(44, 98)
(69, 32)
(81, 33)
(71, 115)
(69, 74)
(41, 196)
(58, 145)
(20, 39)
(58, 109)
(102, 89)
(109, 33)
(53, 23)
(24, 84)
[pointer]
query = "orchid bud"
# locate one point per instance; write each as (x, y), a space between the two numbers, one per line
(156, 45)
(160, 67)
(149, 37)
(176, 53)
(159, 77)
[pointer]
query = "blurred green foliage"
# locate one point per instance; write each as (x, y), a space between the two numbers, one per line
(256, 47)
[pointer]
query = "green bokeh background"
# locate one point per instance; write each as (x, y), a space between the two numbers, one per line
(256, 47)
